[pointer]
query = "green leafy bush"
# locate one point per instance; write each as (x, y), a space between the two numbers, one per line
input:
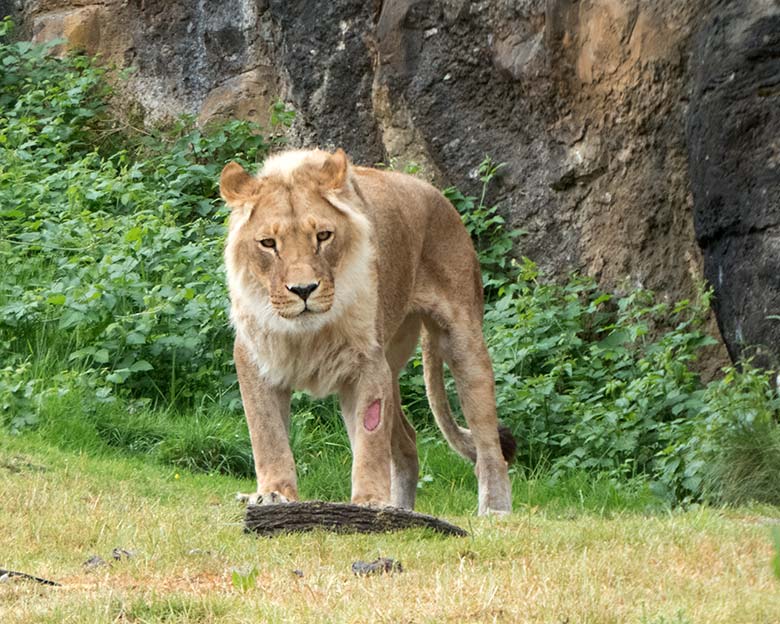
(112, 254)
(728, 448)
(590, 387)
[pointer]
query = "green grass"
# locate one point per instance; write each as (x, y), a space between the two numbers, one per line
(578, 551)
(216, 442)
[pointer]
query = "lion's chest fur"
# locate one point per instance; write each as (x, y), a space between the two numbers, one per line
(318, 360)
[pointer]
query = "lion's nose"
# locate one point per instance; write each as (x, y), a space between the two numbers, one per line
(303, 290)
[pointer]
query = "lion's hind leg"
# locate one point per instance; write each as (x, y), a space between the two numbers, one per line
(404, 468)
(460, 344)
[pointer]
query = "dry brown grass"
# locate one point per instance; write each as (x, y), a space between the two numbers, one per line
(700, 566)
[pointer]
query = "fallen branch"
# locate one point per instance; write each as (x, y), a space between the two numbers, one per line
(8, 574)
(305, 516)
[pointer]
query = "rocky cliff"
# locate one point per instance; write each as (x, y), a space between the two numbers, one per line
(733, 134)
(619, 120)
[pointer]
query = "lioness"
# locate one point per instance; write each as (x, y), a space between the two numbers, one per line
(334, 270)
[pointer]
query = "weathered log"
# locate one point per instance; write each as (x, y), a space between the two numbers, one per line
(299, 517)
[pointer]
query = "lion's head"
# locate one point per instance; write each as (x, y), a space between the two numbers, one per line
(294, 230)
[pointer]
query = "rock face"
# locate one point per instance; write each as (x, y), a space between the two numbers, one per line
(324, 51)
(581, 100)
(734, 147)
(586, 101)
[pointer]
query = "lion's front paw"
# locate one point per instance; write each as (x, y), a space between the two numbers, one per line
(370, 501)
(259, 498)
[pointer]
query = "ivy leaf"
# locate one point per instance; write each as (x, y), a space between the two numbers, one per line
(134, 234)
(135, 338)
(141, 366)
(101, 356)
(118, 376)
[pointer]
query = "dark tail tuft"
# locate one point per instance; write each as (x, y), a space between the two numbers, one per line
(508, 443)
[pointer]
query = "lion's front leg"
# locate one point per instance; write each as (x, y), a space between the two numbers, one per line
(367, 406)
(267, 411)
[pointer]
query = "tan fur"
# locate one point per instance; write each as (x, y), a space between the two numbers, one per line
(334, 270)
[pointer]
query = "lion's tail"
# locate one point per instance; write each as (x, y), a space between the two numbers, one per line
(459, 438)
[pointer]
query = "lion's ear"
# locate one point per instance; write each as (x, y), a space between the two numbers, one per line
(236, 185)
(333, 174)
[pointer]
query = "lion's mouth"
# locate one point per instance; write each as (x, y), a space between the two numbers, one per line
(292, 309)
(309, 311)
(306, 311)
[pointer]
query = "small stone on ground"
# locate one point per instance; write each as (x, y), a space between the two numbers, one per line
(383, 565)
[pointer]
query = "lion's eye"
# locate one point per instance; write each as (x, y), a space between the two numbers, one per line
(269, 243)
(324, 235)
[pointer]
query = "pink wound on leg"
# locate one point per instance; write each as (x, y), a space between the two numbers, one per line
(372, 417)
